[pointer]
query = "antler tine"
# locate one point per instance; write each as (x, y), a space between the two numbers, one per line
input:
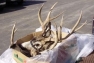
(73, 29)
(77, 23)
(56, 38)
(61, 23)
(12, 34)
(39, 15)
(56, 16)
(60, 30)
(81, 26)
(48, 16)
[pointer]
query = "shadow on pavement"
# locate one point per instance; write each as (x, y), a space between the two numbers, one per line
(14, 6)
(26, 3)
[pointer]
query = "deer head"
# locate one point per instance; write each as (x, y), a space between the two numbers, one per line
(48, 39)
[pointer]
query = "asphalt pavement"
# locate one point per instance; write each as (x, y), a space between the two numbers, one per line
(26, 17)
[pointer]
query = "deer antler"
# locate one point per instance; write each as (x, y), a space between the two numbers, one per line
(12, 35)
(75, 26)
(55, 38)
(57, 34)
(48, 16)
(48, 19)
(39, 15)
(81, 26)
(46, 24)
(60, 30)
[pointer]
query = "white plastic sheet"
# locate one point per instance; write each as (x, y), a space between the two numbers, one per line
(6, 57)
(85, 44)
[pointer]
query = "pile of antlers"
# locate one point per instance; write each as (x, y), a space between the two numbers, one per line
(48, 39)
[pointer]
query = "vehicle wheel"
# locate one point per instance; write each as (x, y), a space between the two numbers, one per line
(20, 2)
